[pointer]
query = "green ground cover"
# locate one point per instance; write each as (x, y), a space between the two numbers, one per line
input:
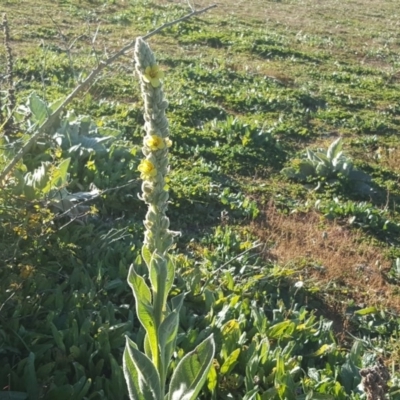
(289, 251)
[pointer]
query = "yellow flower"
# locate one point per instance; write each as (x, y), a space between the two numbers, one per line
(155, 142)
(26, 271)
(168, 142)
(147, 169)
(153, 75)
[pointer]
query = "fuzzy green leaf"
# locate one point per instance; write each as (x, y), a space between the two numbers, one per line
(58, 176)
(167, 338)
(191, 372)
(177, 302)
(158, 278)
(170, 275)
(147, 348)
(168, 333)
(117, 375)
(144, 309)
(230, 362)
(306, 169)
(140, 374)
(38, 108)
(146, 254)
(334, 149)
(168, 329)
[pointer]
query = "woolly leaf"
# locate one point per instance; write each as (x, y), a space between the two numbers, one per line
(191, 372)
(38, 108)
(140, 374)
(144, 309)
(334, 149)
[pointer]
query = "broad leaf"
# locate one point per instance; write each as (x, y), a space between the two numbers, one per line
(168, 329)
(117, 376)
(38, 108)
(141, 375)
(36, 180)
(281, 329)
(170, 274)
(191, 372)
(55, 104)
(144, 309)
(334, 148)
(177, 302)
(306, 169)
(58, 176)
(31, 383)
(230, 362)
(146, 254)
(167, 338)
(158, 278)
(147, 348)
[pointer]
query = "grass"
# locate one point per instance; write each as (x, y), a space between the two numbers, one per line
(250, 87)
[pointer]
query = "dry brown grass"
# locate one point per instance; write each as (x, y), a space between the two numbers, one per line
(389, 158)
(332, 257)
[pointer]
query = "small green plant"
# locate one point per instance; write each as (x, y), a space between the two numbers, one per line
(328, 166)
(320, 164)
(146, 373)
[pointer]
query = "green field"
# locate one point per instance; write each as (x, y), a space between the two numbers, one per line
(284, 183)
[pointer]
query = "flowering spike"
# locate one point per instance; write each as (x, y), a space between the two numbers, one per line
(154, 167)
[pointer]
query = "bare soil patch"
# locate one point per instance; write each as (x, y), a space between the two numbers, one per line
(329, 256)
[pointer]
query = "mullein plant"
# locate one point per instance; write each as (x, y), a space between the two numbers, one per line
(146, 373)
